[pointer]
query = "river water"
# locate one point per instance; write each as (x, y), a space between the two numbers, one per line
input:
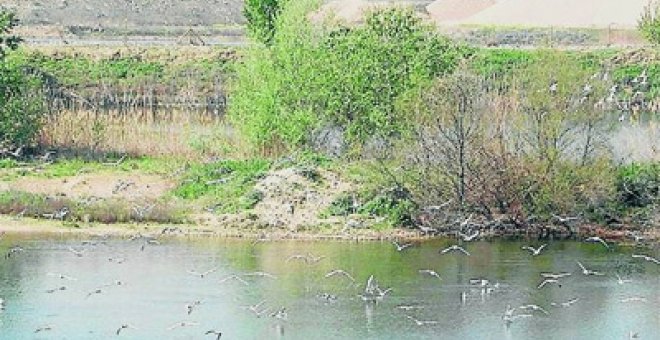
(158, 282)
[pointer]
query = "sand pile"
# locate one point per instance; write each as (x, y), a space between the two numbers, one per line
(452, 10)
(560, 13)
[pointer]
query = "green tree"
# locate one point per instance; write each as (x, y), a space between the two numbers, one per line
(649, 23)
(8, 41)
(261, 16)
(324, 74)
(20, 94)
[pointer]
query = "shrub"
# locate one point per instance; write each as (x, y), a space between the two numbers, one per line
(649, 22)
(261, 16)
(20, 100)
(347, 77)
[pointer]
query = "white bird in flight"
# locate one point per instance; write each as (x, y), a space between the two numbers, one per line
(430, 272)
(597, 239)
(586, 271)
(339, 272)
(454, 248)
(401, 247)
(647, 258)
(534, 251)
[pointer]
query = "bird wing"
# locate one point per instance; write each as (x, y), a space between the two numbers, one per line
(542, 284)
(603, 242)
(581, 266)
(541, 247)
(528, 248)
(464, 251)
(444, 251)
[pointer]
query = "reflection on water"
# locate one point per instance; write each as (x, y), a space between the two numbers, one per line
(152, 291)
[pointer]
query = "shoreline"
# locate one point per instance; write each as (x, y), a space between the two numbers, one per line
(26, 226)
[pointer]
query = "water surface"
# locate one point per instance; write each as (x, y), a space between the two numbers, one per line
(156, 284)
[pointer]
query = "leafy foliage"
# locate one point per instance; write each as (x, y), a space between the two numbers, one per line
(20, 101)
(8, 41)
(351, 77)
(649, 22)
(227, 183)
(261, 16)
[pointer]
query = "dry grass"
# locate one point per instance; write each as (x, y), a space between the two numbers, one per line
(179, 135)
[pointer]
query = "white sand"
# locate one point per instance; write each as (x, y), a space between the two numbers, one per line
(560, 13)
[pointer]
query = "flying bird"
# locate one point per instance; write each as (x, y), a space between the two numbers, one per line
(547, 281)
(454, 248)
(124, 326)
(182, 324)
(535, 308)
(647, 258)
(401, 247)
(217, 334)
(203, 274)
(340, 272)
(534, 251)
(565, 304)
(596, 239)
(420, 322)
(554, 275)
(469, 238)
(430, 272)
(586, 271)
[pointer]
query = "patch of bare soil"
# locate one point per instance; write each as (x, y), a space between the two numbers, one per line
(292, 199)
(129, 187)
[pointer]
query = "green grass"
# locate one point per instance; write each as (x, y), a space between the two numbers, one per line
(106, 211)
(227, 184)
(11, 169)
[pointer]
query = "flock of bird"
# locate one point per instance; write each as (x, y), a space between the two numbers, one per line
(370, 292)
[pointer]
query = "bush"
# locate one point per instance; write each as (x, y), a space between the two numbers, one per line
(649, 23)
(261, 16)
(20, 99)
(334, 75)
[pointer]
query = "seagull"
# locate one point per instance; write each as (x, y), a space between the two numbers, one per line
(454, 248)
(553, 87)
(372, 292)
(554, 275)
(202, 275)
(597, 239)
(535, 308)
(280, 314)
(326, 296)
(647, 258)
(149, 242)
(13, 250)
(586, 271)
(297, 257)
(16, 153)
(535, 251)
(182, 324)
(96, 291)
(479, 282)
(62, 276)
(565, 220)
(311, 259)
(261, 274)
(44, 328)
(547, 281)
(400, 247)
(191, 306)
(420, 322)
(634, 299)
(565, 304)
(235, 277)
(255, 309)
(51, 291)
(124, 326)
(621, 281)
(340, 272)
(78, 253)
(469, 238)
(430, 272)
(409, 307)
(218, 334)
(622, 118)
(632, 335)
